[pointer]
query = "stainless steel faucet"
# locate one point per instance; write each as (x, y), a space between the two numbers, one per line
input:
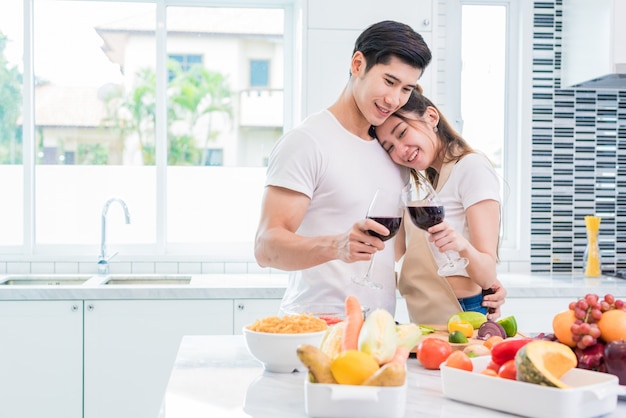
(103, 260)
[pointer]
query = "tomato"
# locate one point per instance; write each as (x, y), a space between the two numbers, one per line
(493, 366)
(330, 320)
(431, 352)
(459, 360)
(508, 370)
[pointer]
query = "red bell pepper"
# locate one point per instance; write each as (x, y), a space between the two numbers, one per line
(506, 350)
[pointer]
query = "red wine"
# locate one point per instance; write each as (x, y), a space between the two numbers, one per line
(392, 223)
(426, 216)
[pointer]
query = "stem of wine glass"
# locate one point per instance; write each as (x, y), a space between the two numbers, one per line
(366, 280)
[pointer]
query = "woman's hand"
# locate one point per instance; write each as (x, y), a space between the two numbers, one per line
(495, 300)
(444, 236)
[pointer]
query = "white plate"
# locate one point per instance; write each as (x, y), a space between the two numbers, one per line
(348, 401)
(591, 393)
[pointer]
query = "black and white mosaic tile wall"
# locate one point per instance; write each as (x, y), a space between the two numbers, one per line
(578, 159)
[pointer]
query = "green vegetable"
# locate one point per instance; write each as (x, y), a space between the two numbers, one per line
(408, 335)
(378, 336)
(426, 329)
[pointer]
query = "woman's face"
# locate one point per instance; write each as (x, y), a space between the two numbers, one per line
(411, 144)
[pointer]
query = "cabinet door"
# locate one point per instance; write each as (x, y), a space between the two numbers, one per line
(249, 310)
(131, 345)
(41, 347)
(333, 14)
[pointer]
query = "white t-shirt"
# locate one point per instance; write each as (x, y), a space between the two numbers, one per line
(472, 180)
(340, 172)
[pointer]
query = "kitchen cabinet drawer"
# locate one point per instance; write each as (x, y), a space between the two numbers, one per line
(130, 347)
(41, 356)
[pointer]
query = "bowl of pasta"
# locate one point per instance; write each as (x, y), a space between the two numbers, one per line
(274, 341)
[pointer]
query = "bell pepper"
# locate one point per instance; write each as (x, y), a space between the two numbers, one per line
(506, 350)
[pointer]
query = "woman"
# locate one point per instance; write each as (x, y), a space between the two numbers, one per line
(419, 137)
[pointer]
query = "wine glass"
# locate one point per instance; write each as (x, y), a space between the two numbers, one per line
(386, 208)
(425, 210)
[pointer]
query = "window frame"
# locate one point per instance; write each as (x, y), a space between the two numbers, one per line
(29, 250)
(514, 251)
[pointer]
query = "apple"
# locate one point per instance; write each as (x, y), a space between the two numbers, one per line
(615, 359)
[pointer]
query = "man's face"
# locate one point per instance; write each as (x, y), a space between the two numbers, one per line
(384, 89)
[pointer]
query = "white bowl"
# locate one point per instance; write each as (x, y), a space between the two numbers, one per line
(277, 352)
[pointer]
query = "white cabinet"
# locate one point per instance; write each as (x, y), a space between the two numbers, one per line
(41, 359)
(534, 315)
(329, 42)
(246, 311)
(333, 14)
(130, 347)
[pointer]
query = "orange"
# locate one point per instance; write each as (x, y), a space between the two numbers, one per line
(431, 352)
(562, 324)
(489, 372)
(459, 360)
(353, 367)
(493, 340)
(613, 325)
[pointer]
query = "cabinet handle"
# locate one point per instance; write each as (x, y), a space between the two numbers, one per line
(426, 22)
(241, 306)
(74, 308)
(90, 307)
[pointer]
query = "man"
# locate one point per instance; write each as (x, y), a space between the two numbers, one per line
(323, 174)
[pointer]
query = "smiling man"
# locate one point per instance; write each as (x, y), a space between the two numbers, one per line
(323, 174)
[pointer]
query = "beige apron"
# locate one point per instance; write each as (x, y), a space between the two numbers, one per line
(429, 297)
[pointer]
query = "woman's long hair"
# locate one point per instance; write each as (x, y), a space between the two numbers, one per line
(453, 146)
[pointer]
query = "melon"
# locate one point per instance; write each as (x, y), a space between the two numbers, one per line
(544, 363)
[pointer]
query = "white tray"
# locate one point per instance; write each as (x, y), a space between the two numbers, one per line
(592, 393)
(348, 401)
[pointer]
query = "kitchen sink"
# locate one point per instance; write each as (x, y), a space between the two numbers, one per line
(44, 280)
(155, 280)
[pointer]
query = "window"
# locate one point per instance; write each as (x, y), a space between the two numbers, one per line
(488, 98)
(259, 73)
(181, 64)
(152, 104)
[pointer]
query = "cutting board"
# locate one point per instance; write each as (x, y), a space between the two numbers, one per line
(441, 332)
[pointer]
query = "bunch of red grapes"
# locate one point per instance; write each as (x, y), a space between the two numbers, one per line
(588, 311)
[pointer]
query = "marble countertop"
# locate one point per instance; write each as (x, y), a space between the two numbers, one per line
(264, 286)
(216, 376)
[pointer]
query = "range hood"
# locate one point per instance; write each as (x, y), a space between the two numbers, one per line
(594, 44)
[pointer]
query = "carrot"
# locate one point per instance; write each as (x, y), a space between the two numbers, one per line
(354, 322)
(400, 356)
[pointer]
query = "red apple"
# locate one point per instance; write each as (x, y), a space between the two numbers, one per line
(615, 359)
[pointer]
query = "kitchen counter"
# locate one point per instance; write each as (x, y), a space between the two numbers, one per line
(216, 376)
(272, 286)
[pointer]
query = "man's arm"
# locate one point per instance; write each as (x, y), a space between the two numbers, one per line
(277, 244)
